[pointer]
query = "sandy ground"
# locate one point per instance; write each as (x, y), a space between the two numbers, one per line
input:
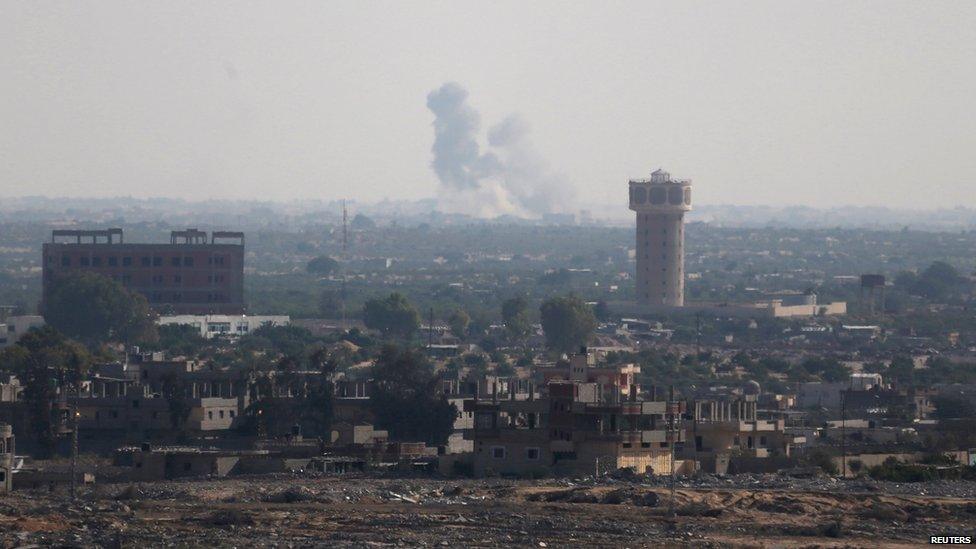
(301, 511)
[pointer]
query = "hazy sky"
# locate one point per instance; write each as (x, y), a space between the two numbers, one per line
(778, 102)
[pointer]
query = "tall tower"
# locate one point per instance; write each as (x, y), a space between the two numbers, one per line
(660, 203)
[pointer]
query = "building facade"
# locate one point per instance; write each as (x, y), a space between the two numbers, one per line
(660, 203)
(8, 451)
(211, 326)
(190, 275)
(571, 425)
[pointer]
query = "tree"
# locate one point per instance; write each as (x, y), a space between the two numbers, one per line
(901, 371)
(46, 363)
(405, 400)
(459, 323)
(394, 316)
(953, 407)
(95, 308)
(567, 322)
(181, 339)
(174, 390)
(361, 222)
(322, 265)
(601, 311)
(330, 304)
(317, 406)
(515, 315)
(829, 369)
(937, 282)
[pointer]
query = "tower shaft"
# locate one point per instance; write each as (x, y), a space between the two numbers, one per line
(660, 203)
(660, 259)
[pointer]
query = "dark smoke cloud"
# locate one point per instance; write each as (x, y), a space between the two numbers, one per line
(458, 161)
(512, 177)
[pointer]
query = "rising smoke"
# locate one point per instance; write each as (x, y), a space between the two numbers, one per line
(510, 177)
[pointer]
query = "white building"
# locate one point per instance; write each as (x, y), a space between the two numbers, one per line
(17, 325)
(233, 325)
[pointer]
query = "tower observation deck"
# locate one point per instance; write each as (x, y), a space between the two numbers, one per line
(660, 203)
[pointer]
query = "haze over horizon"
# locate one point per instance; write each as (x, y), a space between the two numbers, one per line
(778, 103)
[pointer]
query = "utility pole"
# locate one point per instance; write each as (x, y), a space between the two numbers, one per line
(843, 434)
(672, 412)
(74, 448)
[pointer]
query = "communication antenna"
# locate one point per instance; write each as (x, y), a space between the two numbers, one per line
(345, 240)
(345, 231)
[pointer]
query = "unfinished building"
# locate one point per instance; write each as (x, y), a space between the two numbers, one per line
(569, 425)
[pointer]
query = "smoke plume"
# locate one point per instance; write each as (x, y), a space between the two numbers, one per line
(510, 177)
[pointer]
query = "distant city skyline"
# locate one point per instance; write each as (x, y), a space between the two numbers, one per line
(760, 103)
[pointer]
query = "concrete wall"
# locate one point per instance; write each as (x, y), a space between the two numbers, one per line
(515, 459)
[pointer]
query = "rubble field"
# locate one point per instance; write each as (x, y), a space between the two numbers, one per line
(350, 511)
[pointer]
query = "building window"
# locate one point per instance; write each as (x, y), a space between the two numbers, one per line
(232, 413)
(209, 414)
(174, 261)
(157, 262)
(126, 261)
(762, 441)
(65, 261)
(221, 414)
(177, 279)
(532, 454)
(135, 403)
(85, 261)
(627, 445)
(96, 261)
(145, 261)
(113, 261)
(498, 452)
(187, 261)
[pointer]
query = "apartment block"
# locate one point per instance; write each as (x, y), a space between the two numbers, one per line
(190, 275)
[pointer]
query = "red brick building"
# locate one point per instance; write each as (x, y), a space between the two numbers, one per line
(190, 275)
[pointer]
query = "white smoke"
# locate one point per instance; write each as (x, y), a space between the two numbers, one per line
(509, 178)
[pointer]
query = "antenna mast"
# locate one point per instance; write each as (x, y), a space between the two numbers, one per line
(345, 240)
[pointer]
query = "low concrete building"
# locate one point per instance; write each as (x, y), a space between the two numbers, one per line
(725, 428)
(13, 327)
(211, 326)
(572, 426)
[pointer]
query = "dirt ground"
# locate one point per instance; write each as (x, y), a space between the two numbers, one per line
(302, 511)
